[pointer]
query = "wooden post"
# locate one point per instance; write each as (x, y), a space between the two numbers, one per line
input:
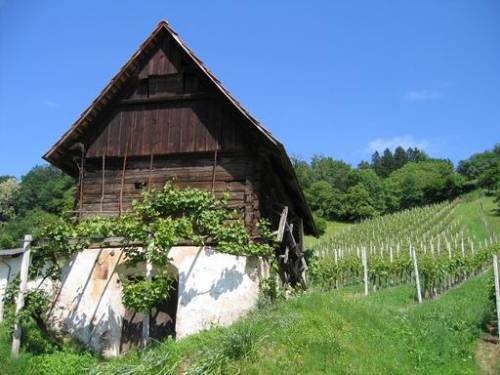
(81, 176)
(103, 167)
(497, 292)
(281, 228)
(23, 275)
(151, 160)
(301, 247)
(214, 169)
(122, 179)
(146, 321)
(364, 260)
(417, 277)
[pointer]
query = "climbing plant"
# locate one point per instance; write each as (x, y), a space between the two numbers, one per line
(154, 224)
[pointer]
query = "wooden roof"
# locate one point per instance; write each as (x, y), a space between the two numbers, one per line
(57, 155)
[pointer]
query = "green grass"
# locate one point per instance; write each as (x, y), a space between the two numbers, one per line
(318, 332)
(339, 332)
(469, 210)
(332, 228)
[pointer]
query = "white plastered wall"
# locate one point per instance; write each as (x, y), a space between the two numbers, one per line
(214, 289)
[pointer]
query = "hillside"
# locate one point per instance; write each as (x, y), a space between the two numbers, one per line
(334, 331)
(330, 332)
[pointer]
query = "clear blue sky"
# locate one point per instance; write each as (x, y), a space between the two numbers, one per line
(339, 78)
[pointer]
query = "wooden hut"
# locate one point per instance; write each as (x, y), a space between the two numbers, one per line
(166, 117)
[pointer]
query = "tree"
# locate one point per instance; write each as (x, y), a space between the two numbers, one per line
(372, 183)
(5, 178)
(335, 172)
(358, 203)
(400, 157)
(376, 163)
(481, 168)
(415, 155)
(423, 183)
(325, 200)
(8, 190)
(47, 188)
(303, 171)
(386, 163)
(363, 165)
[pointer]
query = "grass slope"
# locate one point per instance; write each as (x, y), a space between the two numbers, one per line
(332, 227)
(318, 332)
(469, 210)
(337, 332)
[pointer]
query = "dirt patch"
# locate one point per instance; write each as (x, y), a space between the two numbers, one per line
(488, 357)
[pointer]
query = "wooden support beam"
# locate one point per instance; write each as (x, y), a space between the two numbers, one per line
(102, 180)
(146, 322)
(497, 292)
(23, 285)
(165, 98)
(281, 227)
(122, 181)
(417, 275)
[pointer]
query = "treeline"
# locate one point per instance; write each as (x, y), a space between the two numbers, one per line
(334, 189)
(42, 195)
(391, 182)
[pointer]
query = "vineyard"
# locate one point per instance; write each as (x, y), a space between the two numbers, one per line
(432, 241)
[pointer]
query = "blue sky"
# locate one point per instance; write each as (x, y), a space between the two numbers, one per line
(339, 78)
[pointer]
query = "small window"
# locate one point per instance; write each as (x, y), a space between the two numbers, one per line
(140, 185)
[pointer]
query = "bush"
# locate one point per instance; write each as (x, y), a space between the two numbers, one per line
(61, 363)
(321, 224)
(240, 342)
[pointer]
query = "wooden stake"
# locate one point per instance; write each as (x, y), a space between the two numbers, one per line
(281, 228)
(417, 276)
(213, 170)
(102, 180)
(151, 159)
(122, 181)
(364, 260)
(23, 275)
(146, 321)
(497, 292)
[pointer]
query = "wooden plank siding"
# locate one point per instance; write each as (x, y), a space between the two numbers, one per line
(165, 117)
(233, 175)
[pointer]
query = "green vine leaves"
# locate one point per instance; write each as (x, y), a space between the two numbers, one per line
(161, 220)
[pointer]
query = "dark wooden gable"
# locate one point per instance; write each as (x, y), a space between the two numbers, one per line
(167, 108)
(164, 117)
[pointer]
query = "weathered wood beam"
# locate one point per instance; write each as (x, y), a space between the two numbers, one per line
(23, 286)
(165, 98)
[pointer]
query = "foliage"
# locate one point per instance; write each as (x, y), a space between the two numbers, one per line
(387, 163)
(144, 295)
(41, 196)
(154, 224)
(422, 183)
(8, 190)
(392, 182)
(12, 232)
(37, 337)
(61, 363)
(321, 224)
(482, 168)
(47, 188)
(447, 252)
(318, 332)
